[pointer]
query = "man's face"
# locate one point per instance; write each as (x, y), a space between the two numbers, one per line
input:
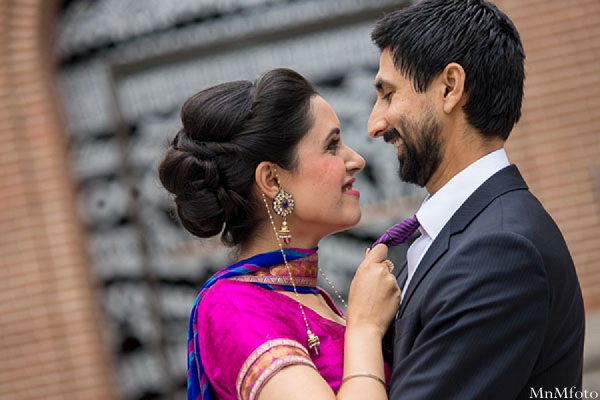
(407, 120)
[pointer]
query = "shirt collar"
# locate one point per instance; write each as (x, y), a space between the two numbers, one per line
(437, 210)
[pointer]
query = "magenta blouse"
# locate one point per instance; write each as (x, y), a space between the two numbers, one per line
(254, 332)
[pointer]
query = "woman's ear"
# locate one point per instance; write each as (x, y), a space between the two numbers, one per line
(266, 179)
(453, 79)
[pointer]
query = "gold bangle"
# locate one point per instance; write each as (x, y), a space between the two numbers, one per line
(366, 375)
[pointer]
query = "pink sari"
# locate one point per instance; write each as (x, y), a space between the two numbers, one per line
(254, 332)
(243, 331)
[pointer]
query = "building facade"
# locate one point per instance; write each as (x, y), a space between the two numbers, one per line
(96, 277)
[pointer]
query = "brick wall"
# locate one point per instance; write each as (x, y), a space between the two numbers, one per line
(50, 329)
(557, 142)
(50, 341)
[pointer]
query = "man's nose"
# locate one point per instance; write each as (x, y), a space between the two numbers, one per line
(376, 124)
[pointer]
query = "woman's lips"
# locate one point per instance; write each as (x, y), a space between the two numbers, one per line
(349, 190)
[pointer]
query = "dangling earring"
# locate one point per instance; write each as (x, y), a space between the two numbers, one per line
(283, 205)
(312, 340)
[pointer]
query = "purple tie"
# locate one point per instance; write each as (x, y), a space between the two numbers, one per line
(399, 233)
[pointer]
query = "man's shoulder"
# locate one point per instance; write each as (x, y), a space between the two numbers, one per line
(517, 211)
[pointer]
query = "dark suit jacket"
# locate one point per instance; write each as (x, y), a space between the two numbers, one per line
(494, 309)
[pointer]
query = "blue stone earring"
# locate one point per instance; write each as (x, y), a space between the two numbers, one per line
(283, 205)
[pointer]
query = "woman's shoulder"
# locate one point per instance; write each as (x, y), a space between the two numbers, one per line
(238, 304)
(228, 293)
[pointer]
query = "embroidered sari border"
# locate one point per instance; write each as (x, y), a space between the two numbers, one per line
(276, 280)
(273, 367)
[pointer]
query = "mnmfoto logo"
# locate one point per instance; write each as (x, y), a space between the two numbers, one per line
(565, 393)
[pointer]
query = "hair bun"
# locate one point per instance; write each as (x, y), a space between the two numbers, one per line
(195, 184)
(226, 133)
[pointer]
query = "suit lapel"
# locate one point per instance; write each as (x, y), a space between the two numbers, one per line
(437, 249)
(402, 276)
(505, 180)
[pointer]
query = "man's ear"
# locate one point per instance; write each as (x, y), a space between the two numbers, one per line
(266, 179)
(453, 81)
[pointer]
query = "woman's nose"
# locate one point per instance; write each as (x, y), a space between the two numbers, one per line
(355, 162)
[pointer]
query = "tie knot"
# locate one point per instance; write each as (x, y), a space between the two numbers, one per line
(399, 233)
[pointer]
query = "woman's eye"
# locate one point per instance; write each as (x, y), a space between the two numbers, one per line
(333, 145)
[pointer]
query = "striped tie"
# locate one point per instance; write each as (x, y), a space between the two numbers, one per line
(399, 233)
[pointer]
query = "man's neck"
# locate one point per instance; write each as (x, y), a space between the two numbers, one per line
(459, 156)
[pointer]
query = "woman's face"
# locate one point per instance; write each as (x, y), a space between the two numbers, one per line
(325, 200)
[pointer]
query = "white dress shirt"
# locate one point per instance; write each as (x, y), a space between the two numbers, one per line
(437, 210)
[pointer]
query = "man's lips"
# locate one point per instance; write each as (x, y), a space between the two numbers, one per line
(393, 137)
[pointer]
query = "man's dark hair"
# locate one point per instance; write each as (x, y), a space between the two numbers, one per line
(423, 39)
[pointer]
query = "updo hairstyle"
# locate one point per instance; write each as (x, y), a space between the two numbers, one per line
(228, 129)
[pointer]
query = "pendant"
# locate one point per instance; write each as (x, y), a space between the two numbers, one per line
(313, 342)
(284, 233)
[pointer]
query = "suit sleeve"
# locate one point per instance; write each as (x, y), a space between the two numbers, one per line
(483, 321)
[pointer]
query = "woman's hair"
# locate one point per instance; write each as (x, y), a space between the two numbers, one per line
(426, 37)
(228, 129)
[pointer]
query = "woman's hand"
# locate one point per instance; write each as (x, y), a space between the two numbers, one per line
(374, 295)
(372, 304)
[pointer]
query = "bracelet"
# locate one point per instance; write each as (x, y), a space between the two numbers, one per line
(366, 375)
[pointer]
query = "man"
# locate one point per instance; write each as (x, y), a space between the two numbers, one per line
(491, 305)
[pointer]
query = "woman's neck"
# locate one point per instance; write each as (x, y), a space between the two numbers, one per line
(265, 241)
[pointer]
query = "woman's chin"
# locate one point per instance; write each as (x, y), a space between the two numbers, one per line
(351, 223)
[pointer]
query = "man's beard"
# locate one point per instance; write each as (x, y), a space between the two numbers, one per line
(422, 153)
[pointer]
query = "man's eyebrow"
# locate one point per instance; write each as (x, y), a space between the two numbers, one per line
(380, 83)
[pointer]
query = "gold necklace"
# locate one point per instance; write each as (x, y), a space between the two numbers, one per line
(339, 296)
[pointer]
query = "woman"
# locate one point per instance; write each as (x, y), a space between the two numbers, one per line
(264, 165)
